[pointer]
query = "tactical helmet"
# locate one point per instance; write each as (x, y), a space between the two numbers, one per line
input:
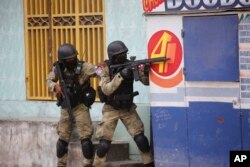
(66, 51)
(116, 48)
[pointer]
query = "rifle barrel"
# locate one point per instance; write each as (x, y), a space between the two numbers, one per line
(138, 62)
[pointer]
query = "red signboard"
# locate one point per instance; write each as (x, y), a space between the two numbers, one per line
(165, 44)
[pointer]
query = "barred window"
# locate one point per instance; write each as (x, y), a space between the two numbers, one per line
(50, 23)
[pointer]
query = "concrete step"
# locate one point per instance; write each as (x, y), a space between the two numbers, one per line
(128, 163)
(119, 151)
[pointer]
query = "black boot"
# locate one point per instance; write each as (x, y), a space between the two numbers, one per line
(149, 165)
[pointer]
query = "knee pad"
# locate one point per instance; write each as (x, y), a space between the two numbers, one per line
(61, 148)
(87, 148)
(103, 148)
(142, 143)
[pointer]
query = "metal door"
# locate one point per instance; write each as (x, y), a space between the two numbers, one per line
(212, 74)
(213, 130)
(211, 48)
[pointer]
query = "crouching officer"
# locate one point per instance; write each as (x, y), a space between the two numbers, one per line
(76, 75)
(116, 91)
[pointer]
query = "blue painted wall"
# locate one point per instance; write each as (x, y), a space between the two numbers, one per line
(201, 134)
(170, 133)
(12, 58)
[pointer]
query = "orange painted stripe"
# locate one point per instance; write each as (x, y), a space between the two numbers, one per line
(167, 83)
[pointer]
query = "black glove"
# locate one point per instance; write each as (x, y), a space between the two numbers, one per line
(146, 69)
(126, 73)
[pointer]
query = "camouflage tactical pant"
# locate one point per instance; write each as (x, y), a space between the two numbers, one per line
(84, 128)
(129, 118)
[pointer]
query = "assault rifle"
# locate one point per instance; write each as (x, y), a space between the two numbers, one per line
(133, 64)
(65, 97)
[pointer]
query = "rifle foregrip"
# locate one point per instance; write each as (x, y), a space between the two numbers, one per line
(136, 74)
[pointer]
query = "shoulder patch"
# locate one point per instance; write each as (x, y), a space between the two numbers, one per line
(102, 64)
(100, 68)
(99, 71)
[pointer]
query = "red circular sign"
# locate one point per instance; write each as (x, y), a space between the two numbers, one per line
(165, 44)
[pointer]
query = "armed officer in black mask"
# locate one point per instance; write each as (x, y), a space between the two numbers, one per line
(116, 91)
(76, 75)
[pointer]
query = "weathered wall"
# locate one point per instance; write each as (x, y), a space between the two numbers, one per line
(124, 21)
(28, 144)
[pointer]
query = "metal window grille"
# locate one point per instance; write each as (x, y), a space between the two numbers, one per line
(50, 23)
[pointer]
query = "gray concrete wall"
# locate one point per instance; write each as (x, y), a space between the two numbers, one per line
(28, 143)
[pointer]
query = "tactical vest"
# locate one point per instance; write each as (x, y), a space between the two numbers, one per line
(76, 92)
(124, 95)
